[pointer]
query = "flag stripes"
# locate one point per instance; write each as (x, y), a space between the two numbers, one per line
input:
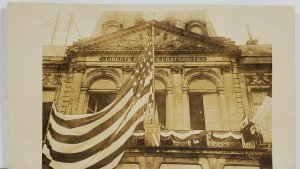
(89, 129)
(72, 156)
(84, 145)
(99, 140)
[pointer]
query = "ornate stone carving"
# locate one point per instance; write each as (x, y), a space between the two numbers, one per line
(176, 69)
(201, 69)
(162, 71)
(79, 67)
(259, 79)
(51, 78)
(169, 41)
(127, 68)
(226, 68)
(104, 70)
(135, 41)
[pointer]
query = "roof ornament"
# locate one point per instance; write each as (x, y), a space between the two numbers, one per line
(250, 41)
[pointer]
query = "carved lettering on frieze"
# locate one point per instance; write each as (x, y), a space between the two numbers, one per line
(258, 79)
(51, 78)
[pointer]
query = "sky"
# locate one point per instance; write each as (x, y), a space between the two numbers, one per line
(229, 22)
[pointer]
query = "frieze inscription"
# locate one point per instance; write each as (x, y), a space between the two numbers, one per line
(157, 59)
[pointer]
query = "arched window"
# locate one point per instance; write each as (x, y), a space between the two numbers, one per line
(204, 104)
(101, 93)
(160, 100)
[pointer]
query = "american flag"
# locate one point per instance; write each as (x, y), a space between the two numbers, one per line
(250, 130)
(99, 140)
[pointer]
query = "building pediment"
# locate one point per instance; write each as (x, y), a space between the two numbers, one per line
(166, 39)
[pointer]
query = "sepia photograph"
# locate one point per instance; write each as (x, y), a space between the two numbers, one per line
(155, 89)
(150, 86)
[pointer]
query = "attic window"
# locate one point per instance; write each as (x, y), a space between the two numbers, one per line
(111, 29)
(111, 26)
(196, 27)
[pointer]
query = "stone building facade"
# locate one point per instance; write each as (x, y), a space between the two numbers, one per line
(203, 82)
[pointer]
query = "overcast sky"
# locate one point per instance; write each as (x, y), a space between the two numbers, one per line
(228, 22)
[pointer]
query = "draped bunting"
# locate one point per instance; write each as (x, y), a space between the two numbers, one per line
(193, 134)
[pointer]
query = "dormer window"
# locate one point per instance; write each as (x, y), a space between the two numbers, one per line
(111, 27)
(196, 27)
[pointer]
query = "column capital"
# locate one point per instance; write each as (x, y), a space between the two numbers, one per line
(176, 69)
(221, 90)
(169, 90)
(185, 89)
(84, 89)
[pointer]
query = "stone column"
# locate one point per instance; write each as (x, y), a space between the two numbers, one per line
(229, 95)
(81, 109)
(186, 109)
(176, 71)
(75, 92)
(169, 109)
(223, 107)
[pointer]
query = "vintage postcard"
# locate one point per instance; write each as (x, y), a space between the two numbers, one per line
(151, 87)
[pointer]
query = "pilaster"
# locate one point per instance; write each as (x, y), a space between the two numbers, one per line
(169, 109)
(176, 71)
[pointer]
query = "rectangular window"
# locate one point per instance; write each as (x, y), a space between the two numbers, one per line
(98, 101)
(196, 111)
(213, 120)
(160, 100)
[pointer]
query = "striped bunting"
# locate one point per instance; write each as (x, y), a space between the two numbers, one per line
(99, 140)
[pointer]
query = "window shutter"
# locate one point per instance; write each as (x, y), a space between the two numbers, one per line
(212, 112)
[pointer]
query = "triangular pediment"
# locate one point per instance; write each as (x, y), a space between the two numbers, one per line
(166, 39)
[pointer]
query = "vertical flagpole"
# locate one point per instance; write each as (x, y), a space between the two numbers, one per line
(152, 39)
